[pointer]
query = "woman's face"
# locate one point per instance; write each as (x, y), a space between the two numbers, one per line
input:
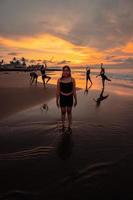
(66, 72)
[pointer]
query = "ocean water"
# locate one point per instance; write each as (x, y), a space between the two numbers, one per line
(121, 78)
(115, 73)
(121, 74)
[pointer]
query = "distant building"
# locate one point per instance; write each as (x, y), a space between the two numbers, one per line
(14, 67)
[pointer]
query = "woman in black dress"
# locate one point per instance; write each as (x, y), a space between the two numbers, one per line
(66, 92)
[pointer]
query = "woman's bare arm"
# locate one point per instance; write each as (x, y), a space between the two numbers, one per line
(58, 92)
(45, 65)
(74, 92)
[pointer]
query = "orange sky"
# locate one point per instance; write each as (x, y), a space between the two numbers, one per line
(46, 46)
(75, 32)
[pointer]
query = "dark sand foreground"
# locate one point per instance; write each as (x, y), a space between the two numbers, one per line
(95, 161)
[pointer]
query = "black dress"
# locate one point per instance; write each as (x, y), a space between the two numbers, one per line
(66, 100)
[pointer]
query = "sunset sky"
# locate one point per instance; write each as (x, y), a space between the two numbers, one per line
(77, 32)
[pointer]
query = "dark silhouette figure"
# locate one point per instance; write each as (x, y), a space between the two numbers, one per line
(65, 145)
(88, 71)
(103, 76)
(101, 98)
(33, 77)
(44, 76)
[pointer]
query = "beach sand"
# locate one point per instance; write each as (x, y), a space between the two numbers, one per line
(95, 161)
(16, 94)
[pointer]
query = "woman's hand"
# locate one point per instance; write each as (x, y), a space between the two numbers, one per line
(75, 103)
(57, 103)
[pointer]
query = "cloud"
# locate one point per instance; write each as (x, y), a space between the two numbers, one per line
(100, 24)
(109, 58)
(13, 54)
(32, 61)
(128, 60)
(63, 62)
(110, 26)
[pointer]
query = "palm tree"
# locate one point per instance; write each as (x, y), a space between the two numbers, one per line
(14, 60)
(23, 61)
(1, 62)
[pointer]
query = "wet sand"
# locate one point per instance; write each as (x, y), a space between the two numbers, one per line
(16, 94)
(95, 161)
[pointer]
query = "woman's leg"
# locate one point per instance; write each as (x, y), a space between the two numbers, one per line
(90, 81)
(69, 115)
(86, 84)
(103, 82)
(63, 115)
(32, 80)
(36, 81)
(108, 79)
(43, 79)
(48, 79)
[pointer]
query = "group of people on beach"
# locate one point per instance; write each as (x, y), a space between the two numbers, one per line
(66, 92)
(34, 75)
(102, 74)
(66, 96)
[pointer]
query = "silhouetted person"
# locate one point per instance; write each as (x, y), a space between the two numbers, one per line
(44, 76)
(33, 76)
(66, 92)
(88, 71)
(101, 98)
(103, 76)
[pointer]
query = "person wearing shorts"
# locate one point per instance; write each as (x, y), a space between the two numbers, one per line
(33, 77)
(44, 76)
(66, 95)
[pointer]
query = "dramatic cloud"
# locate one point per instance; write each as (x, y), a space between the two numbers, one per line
(64, 62)
(102, 24)
(128, 61)
(13, 54)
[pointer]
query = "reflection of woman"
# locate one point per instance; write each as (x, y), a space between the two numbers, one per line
(65, 146)
(66, 91)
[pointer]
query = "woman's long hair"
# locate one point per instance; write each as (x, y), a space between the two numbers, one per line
(68, 68)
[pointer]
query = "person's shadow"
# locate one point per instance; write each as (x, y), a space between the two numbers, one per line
(65, 145)
(101, 98)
